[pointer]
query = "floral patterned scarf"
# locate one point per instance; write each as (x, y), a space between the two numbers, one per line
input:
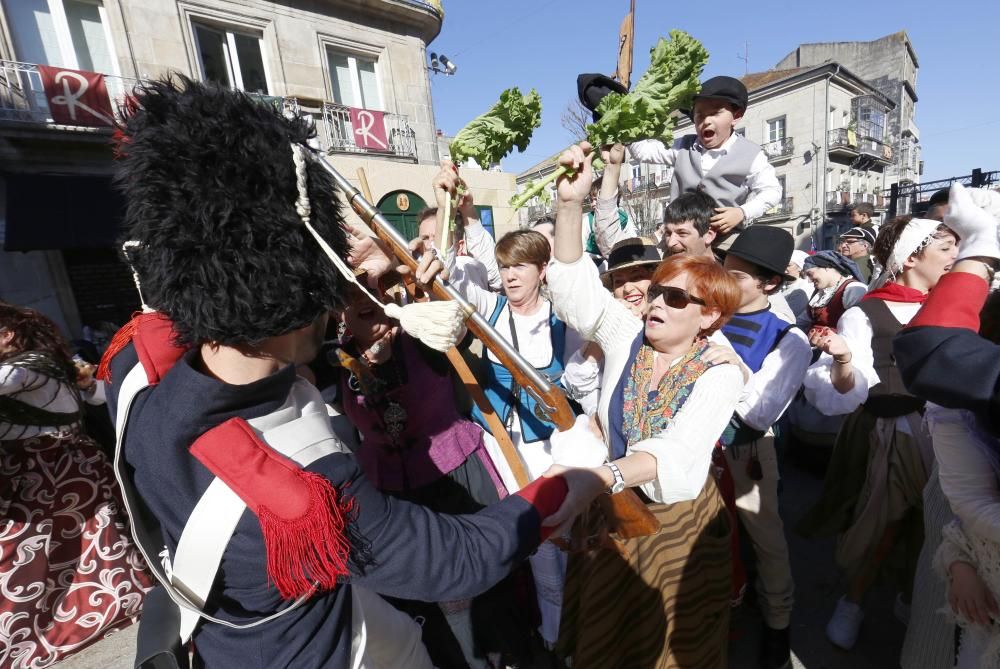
(647, 412)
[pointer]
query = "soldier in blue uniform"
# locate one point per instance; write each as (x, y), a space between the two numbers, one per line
(216, 427)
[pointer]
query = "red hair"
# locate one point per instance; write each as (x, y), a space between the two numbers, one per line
(707, 280)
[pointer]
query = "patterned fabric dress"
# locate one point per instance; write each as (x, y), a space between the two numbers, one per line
(69, 573)
(660, 601)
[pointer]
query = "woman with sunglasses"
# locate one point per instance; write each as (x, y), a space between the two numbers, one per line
(664, 599)
(873, 492)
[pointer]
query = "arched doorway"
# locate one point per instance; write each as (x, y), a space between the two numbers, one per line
(400, 207)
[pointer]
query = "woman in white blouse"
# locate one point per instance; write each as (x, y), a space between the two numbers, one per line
(881, 461)
(664, 404)
(968, 559)
(524, 317)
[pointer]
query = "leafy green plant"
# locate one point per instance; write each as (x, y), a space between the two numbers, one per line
(645, 112)
(508, 124)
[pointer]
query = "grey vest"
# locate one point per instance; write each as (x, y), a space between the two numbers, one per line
(726, 181)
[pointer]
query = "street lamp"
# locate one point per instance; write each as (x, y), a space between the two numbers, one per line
(441, 65)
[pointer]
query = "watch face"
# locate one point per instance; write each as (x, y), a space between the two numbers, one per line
(617, 487)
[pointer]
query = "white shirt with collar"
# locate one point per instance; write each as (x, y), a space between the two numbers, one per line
(762, 182)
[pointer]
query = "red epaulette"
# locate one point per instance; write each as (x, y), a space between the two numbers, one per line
(153, 337)
(302, 516)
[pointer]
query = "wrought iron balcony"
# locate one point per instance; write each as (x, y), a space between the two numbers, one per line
(783, 209)
(779, 150)
(22, 96)
(340, 133)
(838, 199)
(846, 143)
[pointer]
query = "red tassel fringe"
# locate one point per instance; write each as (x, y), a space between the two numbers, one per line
(118, 342)
(310, 552)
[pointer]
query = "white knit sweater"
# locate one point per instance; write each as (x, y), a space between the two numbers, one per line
(683, 451)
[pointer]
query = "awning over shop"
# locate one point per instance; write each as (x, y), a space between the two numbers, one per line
(48, 212)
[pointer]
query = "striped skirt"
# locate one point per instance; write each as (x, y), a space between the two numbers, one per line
(662, 602)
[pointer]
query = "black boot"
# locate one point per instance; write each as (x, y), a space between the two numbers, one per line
(775, 652)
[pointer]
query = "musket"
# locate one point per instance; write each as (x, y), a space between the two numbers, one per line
(625, 512)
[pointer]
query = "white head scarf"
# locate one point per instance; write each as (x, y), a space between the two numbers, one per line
(915, 236)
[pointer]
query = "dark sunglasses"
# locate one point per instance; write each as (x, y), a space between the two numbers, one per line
(675, 298)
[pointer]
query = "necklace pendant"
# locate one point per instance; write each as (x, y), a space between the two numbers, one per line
(395, 418)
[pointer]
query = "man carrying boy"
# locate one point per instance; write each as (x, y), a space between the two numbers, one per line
(777, 355)
(688, 225)
(715, 160)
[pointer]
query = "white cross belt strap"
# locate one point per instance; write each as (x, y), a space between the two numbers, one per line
(299, 430)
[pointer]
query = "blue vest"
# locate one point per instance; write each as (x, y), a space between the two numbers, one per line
(499, 381)
(755, 335)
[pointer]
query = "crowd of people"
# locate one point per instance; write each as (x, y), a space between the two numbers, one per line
(302, 477)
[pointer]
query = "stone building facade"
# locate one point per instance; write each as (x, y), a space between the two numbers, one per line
(59, 211)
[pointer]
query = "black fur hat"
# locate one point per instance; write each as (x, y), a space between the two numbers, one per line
(210, 193)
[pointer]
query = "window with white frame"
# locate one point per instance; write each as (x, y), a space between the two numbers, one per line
(229, 57)
(63, 33)
(354, 80)
(776, 129)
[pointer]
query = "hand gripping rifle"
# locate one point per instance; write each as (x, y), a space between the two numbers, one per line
(625, 512)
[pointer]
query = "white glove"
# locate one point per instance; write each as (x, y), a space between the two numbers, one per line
(578, 446)
(976, 227)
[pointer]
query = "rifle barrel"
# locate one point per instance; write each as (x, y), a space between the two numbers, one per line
(479, 325)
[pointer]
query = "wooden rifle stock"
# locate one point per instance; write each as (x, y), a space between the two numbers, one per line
(626, 514)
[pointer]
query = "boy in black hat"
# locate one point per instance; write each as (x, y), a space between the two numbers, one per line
(730, 168)
(777, 355)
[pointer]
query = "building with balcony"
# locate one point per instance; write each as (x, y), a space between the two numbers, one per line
(358, 69)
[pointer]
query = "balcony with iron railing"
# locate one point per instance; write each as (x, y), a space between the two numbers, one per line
(845, 143)
(780, 150)
(339, 133)
(23, 100)
(779, 211)
(839, 200)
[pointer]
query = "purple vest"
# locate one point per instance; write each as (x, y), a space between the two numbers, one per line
(435, 438)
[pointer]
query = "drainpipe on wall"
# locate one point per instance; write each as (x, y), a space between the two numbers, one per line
(430, 107)
(128, 41)
(826, 146)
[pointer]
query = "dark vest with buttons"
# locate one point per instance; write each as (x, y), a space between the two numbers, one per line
(889, 398)
(726, 181)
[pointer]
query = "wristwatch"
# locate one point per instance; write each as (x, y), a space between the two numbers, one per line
(619, 483)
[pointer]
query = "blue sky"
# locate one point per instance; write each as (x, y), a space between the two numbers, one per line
(545, 43)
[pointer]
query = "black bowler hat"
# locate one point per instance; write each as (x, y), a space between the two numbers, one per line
(631, 252)
(766, 247)
(592, 88)
(727, 89)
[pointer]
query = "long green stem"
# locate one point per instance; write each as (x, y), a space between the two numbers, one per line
(442, 244)
(537, 187)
